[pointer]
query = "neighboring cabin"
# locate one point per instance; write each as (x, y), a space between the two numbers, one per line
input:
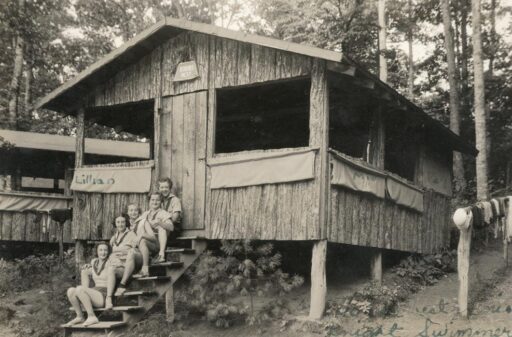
(267, 139)
(40, 167)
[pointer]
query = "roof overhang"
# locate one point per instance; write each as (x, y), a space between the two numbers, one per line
(47, 142)
(69, 96)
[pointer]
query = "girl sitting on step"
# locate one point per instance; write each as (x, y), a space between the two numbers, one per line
(153, 227)
(124, 260)
(86, 296)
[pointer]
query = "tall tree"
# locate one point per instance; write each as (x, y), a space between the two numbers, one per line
(410, 58)
(458, 164)
(381, 13)
(14, 88)
(482, 189)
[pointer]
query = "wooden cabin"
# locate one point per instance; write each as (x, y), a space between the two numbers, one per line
(267, 139)
(40, 167)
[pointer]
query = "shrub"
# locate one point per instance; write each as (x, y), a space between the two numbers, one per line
(23, 274)
(241, 268)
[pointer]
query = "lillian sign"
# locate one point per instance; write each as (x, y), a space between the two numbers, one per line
(112, 179)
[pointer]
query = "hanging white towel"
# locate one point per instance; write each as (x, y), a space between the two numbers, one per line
(509, 219)
(487, 208)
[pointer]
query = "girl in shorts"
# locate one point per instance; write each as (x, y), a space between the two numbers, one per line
(86, 296)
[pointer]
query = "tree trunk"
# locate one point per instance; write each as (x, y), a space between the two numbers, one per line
(410, 77)
(464, 57)
(14, 88)
(27, 102)
(458, 165)
(383, 69)
(482, 188)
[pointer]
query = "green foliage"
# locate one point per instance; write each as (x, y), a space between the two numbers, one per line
(408, 277)
(224, 286)
(23, 274)
(427, 269)
(39, 283)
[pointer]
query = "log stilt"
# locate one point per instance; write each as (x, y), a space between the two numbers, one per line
(505, 245)
(318, 280)
(169, 305)
(376, 267)
(80, 247)
(463, 269)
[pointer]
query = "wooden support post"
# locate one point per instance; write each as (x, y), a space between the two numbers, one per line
(505, 244)
(376, 267)
(376, 151)
(318, 280)
(463, 268)
(80, 245)
(169, 305)
(80, 248)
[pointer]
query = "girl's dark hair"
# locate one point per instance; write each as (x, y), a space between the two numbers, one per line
(97, 246)
(155, 193)
(122, 215)
(166, 180)
(134, 204)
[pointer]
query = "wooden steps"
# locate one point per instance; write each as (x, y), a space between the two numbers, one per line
(138, 293)
(180, 251)
(97, 326)
(122, 308)
(146, 291)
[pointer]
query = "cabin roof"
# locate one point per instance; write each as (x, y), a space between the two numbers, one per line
(46, 142)
(73, 90)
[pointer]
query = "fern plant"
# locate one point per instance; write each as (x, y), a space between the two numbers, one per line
(224, 284)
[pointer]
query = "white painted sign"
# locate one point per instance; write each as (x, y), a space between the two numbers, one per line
(112, 179)
(186, 71)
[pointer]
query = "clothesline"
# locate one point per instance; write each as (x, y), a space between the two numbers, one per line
(496, 212)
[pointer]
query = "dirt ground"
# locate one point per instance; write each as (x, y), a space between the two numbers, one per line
(432, 312)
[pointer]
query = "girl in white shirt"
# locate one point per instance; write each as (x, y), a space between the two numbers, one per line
(86, 296)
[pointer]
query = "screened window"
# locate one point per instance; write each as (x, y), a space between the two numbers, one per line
(267, 116)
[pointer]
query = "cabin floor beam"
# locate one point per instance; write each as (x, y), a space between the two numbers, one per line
(318, 280)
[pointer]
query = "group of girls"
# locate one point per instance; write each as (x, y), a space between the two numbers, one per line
(137, 238)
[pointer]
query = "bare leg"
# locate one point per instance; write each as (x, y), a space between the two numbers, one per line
(129, 267)
(85, 298)
(144, 250)
(76, 306)
(111, 285)
(162, 239)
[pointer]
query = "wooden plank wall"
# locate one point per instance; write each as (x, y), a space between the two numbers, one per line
(93, 213)
(221, 63)
(266, 212)
(138, 81)
(364, 220)
(30, 227)
(183, 152)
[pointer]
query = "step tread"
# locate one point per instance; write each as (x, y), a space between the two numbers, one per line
(99, 325)
(191, 238)
(138, 293)
(118, 308)
(170, 264)
(181, 250)
(153, 278)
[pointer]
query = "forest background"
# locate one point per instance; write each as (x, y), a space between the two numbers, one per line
(47, 42)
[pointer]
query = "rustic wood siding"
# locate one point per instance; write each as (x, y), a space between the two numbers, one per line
(266, 212)
(93, 213)
(30, 227)
(138, 81)
(183, 152)
(365, 220)
(235, 63)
